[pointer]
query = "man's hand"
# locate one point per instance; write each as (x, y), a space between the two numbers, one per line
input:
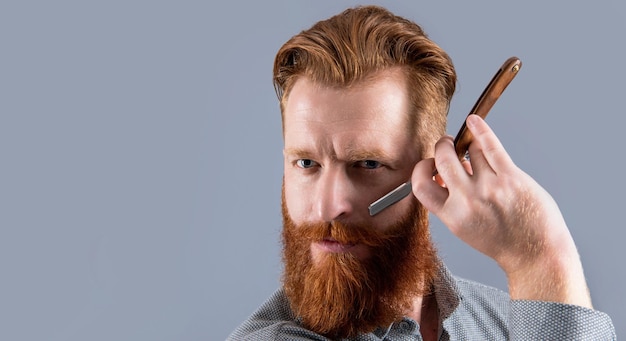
(499, 210)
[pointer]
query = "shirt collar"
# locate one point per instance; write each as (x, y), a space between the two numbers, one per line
(447, 293)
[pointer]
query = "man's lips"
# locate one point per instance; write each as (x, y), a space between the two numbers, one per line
(332, 245)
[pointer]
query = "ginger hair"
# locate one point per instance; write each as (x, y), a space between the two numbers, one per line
(349, 48)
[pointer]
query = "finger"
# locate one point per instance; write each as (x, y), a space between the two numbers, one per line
(448, 165)
(479, 164)
(427, 190)
(486, 147)
(467, 165)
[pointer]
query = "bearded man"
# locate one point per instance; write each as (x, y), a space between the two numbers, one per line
(364, 97)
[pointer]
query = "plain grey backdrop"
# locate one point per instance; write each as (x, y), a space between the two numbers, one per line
(140, 152)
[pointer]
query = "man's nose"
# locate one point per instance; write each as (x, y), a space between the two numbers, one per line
(336, 199)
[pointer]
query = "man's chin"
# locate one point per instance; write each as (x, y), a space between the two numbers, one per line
(333, 297)
(356, 279)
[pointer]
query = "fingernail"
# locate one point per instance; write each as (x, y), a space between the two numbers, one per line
(472, 120)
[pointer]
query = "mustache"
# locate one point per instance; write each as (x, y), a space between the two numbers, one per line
(347, 233)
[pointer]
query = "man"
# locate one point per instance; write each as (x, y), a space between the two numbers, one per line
(364, 97)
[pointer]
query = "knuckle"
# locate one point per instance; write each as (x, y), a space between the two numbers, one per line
(447, 167)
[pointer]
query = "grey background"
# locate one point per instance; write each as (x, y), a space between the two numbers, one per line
(140, 152)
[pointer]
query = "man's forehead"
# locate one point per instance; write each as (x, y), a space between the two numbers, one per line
(384, 97)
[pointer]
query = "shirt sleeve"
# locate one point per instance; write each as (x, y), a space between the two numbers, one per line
(537, 320)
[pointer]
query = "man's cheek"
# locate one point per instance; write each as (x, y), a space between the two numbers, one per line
(297, 206)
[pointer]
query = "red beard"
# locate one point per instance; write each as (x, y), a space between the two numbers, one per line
(342, 296)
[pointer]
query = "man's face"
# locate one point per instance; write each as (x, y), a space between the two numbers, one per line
(346, 272)
(345, 148)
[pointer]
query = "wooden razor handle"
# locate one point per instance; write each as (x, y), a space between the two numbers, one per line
(487, 99)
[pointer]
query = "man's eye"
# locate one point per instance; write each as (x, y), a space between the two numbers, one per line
(305, 163)
(369, 164)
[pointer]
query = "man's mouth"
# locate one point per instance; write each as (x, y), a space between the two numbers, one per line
(334, 246)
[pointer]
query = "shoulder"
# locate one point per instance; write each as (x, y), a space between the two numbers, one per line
(475, 293)
(274, 320)
(488, 311)
(482, 310)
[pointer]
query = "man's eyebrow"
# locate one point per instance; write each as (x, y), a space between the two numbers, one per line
(347, 154)
(298, 152)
